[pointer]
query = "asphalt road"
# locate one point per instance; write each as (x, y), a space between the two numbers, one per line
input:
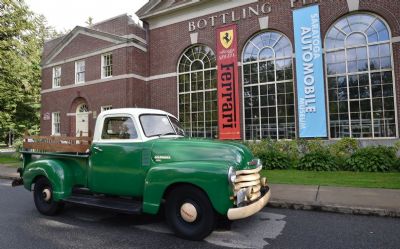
(21, 226)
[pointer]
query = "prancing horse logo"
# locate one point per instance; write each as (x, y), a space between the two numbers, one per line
(226, 38)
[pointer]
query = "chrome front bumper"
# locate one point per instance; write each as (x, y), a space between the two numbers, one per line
(254, 207)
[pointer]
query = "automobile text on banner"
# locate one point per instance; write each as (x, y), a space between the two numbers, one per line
(228, 92)
(309, 72)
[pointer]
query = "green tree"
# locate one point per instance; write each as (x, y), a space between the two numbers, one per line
(22, 35)
(89, 21)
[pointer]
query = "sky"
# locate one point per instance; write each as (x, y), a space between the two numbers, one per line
(66, 14)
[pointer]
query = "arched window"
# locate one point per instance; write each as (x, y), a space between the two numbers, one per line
(268, 94)
(360, 78)
(82, 108)
(197, 87)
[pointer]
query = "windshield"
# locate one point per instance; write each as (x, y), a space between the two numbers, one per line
(159, 125)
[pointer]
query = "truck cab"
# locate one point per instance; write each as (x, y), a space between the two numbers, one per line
(140, 161)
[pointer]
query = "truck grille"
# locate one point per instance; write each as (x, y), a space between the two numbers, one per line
(247, 185)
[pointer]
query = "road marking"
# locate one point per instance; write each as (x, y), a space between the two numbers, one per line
(55, 224)
(246, 233)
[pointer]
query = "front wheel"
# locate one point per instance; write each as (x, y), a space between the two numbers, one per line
(189, 213)
(43, 197)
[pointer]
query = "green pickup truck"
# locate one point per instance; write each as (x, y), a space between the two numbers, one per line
(139, 161)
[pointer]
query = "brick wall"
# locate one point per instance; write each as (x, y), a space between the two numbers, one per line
(125, 61)
(121, 25)
(166, 45)
(81, 44)
(117, 93)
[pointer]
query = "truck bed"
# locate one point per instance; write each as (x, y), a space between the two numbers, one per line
(58, 144)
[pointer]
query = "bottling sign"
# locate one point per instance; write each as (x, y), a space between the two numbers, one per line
(309, 71)
(228, 95)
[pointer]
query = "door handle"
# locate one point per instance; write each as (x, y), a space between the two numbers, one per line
(97, 148)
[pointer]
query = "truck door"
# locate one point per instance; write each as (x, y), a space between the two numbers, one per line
(115, 163)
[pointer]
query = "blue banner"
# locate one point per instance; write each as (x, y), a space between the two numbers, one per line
(309, 72)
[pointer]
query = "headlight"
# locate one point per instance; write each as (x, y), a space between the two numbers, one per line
(231, 175)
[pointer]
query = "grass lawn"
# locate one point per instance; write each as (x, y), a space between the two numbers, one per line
(338, 178)
(9, 159)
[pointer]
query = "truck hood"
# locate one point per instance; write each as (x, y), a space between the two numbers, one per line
(166, 150)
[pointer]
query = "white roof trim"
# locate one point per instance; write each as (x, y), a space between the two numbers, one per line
(169, 9)
(204, 9)
(104, 80)
(101, 51)
(59, 50)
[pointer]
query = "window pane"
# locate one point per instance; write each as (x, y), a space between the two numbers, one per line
(370, 93)
(198, 109)
(119, 128)
(269, 106)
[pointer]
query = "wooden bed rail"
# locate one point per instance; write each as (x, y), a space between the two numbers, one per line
(57, 144)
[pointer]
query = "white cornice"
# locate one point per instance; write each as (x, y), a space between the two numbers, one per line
(167, 10)
(204, 9)
(118, 77)
(101, 51)
(79, 30)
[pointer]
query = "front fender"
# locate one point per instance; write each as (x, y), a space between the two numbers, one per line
(211, 177)
(58, 173)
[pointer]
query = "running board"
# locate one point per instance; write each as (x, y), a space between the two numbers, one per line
(120, 205)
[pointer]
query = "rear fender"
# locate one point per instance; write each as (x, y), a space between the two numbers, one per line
(211, 177)
(56, 171)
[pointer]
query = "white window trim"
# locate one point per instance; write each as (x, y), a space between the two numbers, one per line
(113, 141)
(54, 72)
(293, 81)
(106, 108)
(190, 128)
(53, 133)
(393, 70)
(102, 66)
(76, 72)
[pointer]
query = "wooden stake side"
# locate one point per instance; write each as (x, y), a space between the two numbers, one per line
(57, 144)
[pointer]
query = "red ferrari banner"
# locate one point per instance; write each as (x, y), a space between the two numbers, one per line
(228, 83)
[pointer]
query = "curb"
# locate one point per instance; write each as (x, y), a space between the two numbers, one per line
(335, 208)
(8, 177)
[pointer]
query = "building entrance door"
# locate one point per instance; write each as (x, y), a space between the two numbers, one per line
(82, 120)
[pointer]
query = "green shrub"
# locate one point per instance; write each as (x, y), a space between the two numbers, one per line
(344, 147)
(372, 159)
(272, 153)
(273, 159)
(306, 146)
(319, 160)
(289, 147)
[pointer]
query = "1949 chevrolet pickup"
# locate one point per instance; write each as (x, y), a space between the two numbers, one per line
(140, 160)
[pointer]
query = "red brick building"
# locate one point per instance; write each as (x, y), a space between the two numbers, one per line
(170, 64)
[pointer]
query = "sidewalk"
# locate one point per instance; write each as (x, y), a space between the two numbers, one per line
(368, 201)
(8, 172)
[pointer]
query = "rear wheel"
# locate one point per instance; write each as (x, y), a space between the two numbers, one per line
(189, 213)
(43, 197)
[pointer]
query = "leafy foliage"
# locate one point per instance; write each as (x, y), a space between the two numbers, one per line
(273, 159)
(275, 154)
(22, 35)
(320, 160)
(372, 159)
(344, 154)
(343, 149)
